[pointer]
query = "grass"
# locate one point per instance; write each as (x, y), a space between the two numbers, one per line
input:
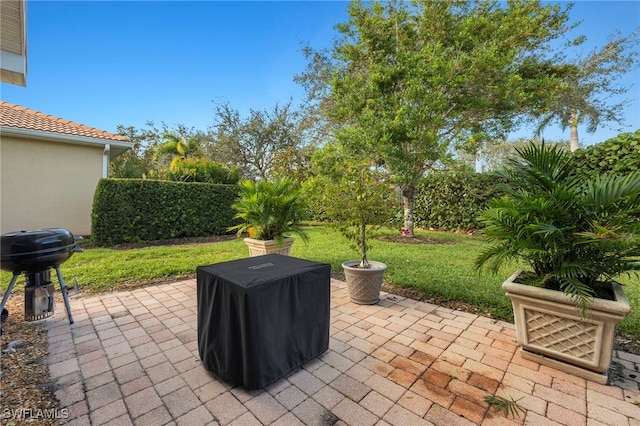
(442, 272)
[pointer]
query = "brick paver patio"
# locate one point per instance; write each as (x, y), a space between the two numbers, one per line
(132, 358)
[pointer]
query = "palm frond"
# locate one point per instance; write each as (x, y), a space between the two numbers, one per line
(509, 406)
(621, 194)
(580, 292)
(572, 232)
(270, 209)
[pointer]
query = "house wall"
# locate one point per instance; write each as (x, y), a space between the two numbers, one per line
(11, 15)
(47, 184)
(13, 43)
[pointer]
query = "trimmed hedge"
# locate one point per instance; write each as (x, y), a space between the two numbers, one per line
(135, 210)
(452, 200)
(620, 155)
(202, 170)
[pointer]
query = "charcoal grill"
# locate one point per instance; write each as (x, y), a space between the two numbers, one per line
(35, 253)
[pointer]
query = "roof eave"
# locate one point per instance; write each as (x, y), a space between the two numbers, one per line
(117, 147)
(14, 68)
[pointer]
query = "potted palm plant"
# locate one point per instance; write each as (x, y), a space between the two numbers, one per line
(269, 212)
(575, 235)
(357, 202)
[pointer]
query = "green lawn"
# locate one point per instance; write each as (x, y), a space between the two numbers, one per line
(441, 272)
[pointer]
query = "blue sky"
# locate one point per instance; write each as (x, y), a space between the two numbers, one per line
(109, 63)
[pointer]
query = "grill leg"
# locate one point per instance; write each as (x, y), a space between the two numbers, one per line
(63, 288)
(8, 292)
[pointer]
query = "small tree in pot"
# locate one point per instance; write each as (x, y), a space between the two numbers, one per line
(576, 235)
(357, 202)
(268, 213)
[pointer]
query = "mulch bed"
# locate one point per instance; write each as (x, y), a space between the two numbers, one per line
(26, 396)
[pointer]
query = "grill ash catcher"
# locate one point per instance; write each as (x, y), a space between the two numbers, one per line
(35, 253)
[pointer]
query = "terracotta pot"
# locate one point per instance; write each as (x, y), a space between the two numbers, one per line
(363, 285)
(551, 331)
(262, 247)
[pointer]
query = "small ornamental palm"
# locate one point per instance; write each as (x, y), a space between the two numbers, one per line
(574, 233)
(270, 210)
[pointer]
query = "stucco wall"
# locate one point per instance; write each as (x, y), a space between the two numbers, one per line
(47, 184)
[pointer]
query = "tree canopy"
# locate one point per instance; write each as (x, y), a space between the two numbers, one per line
(264, 144)
(255, 142)
(406, 82)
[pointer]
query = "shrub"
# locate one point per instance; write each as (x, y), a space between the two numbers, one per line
(135, 210)
(270, 210)
(619, 155)
(572, 232)
(202, 170)
(312, 191)
(452, 200)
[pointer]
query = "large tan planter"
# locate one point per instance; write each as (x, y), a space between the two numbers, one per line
(363, 285)
(261, 247)
(551, 332)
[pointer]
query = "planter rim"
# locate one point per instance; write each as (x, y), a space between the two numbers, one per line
(375, 265)
(267, 242)
(619, 306)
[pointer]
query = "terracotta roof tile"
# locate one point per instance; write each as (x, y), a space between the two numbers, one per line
(16, 116)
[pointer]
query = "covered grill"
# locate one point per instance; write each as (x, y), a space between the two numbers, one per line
(35, 253)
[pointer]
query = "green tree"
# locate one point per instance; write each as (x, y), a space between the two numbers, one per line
(352, 192)
(587, 85)
(137, 161)
(293, 162)
(408, 82)
(253, 143)
(326, 168)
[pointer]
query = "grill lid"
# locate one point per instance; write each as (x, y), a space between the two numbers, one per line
(35, 250)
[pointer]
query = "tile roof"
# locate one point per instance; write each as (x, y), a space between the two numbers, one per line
(24, 118)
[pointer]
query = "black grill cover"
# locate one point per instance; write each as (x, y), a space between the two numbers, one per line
(261, 317)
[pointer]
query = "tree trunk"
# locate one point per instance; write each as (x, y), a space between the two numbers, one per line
(574, 131)
(364, 263)
(408, 203)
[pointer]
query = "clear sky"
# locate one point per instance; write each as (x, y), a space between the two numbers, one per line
(109, 63)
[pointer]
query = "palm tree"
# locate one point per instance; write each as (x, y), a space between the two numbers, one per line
(586, 86)
(178, 147)
(270, 210)
(570, 110)
(573, 232)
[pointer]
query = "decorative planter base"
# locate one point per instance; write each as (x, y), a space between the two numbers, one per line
(551, 331)
(262, 247)
(600, 378)
(363, 285)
